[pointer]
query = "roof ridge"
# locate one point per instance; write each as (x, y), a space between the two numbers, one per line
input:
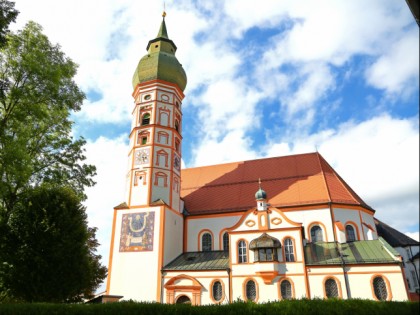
(323, 175)
(251, 160)
(246, 182)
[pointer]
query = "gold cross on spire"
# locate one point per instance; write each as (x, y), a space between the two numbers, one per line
(164, 10)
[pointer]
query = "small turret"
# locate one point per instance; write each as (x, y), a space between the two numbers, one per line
(261, 198)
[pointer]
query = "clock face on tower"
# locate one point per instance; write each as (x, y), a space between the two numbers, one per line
(141, 157)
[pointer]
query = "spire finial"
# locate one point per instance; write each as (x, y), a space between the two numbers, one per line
(164, 10)
(259, 182)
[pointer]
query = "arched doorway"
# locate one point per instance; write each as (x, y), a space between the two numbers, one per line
(183, 289)
(183, 299)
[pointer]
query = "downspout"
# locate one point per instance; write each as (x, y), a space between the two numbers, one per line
(161, 286)
(230, 284)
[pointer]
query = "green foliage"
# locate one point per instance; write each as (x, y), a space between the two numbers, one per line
(293, 307)
(8, 15)
(41, 221)
(37, 96)
(53, 250)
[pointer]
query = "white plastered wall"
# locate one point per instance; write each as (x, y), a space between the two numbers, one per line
(134, 275)
(215, 225)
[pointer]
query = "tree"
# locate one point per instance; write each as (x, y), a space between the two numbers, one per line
(53, 249)
(37, 96)
(8, 15)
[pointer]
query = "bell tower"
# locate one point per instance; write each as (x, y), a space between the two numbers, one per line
(147, 229)
(155, 139)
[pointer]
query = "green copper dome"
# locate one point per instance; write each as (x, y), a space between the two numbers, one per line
(160, 62)
(260, 194)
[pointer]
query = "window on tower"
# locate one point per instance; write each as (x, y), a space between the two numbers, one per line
(143, 137)
(177, 125)
(145, 119)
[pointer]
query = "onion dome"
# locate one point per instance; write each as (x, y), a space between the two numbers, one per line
(160, 62)
(260, 194)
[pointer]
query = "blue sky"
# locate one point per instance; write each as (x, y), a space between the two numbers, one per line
(265, 78)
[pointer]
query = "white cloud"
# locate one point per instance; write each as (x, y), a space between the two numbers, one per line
(233, 147)
(396, 71)
(378, 158)
(110, 158)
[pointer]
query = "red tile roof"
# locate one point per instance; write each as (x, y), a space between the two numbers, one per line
(295, 180)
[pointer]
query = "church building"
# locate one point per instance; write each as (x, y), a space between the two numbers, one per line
(259, 230)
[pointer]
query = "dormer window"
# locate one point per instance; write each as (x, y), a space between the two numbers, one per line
(265, 248)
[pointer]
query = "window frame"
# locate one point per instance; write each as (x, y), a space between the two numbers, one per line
(210, 240)
(315, 235)
(225, 241)
(242, 255)
(245, 290)
(222, 287)
(330, 285)
(291, 289)
(145, 121)
(353, 231)
(289, 250)
(386, 285)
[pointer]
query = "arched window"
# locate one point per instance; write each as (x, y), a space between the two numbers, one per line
(206, 242)
(379, 287)
(286, 290)
(225, 241)
(251, 290)
(242, 257)
(145, 119)
(350, 234)
(288, 249)
(316, 234)
(331, 289)
(217, 291)
(177, 125)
